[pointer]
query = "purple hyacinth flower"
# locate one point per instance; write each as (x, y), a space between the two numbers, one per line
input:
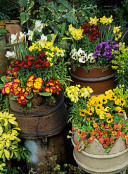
(98, 47)
(108, 48)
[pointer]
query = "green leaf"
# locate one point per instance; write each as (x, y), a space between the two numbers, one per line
(41, 2)
(3, 79)
(29, 105)
(63, 27)
(65, 3)
(23, 3)
(24, 17)
(107, 131)
(30, 96)
(14, 97)
(7, 153)
(1, 86)
(30, 5)
(107, 149)
(45, 94)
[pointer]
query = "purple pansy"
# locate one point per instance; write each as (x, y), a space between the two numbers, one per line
(108, 48)
(98, 47)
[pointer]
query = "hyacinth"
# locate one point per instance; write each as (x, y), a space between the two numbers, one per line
(106, 49)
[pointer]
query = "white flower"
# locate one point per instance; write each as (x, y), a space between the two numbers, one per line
(81, 53)
(43, 39)
(74, 56)
(38, 26)
(30, 34)
(10, 54)
(91, 58)
(14, 38)
(22, 37)
(82, 56)
(73, 51)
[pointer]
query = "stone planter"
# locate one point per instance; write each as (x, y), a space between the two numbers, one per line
(95, 160)
(98, 80)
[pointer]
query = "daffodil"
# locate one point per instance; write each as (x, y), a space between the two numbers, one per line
(10, 54)
(93, 20)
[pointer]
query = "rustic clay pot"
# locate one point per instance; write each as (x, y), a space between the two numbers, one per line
(42, 119)
(99, 80)
(3, 59)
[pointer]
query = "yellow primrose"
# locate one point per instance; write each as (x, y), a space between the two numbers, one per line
(93, 20)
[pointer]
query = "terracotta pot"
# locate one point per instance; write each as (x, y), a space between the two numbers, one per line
(2, 24)
(42, 119)
(3, 59)
(12, 27)
(98, 80)
(95, 160)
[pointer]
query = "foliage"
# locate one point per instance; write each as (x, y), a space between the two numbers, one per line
(10, 146)
(3, 31)
(39, 67)
(9, 9)
(99, 117)
(120, 63)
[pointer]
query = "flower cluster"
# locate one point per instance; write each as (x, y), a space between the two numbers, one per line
(106, 50)
(76, 33)
(91, 30)
(75, 93)
(120, 63)
(101, 117)
(38, 67)
(97, 38)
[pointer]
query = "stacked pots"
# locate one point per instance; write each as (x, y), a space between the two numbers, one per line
(42, 130)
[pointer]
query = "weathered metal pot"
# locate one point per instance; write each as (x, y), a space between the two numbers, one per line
(95, 160)
(99, 80)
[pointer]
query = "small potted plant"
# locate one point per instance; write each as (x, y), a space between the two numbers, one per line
(99, 129)
(93, 47)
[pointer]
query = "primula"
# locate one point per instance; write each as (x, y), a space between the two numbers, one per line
(101, 117)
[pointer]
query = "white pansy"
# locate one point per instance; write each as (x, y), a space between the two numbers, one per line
(82, 56)
(38, 26)
(14, 38)
(22, 37)
(73, 51)
(30, 34)
(91, 58)
(10, 54)
(74, 56)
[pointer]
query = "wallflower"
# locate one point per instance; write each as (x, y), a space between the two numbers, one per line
(76, 33)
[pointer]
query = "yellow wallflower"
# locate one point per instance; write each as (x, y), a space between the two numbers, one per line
(76, 33)
(93, 20)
